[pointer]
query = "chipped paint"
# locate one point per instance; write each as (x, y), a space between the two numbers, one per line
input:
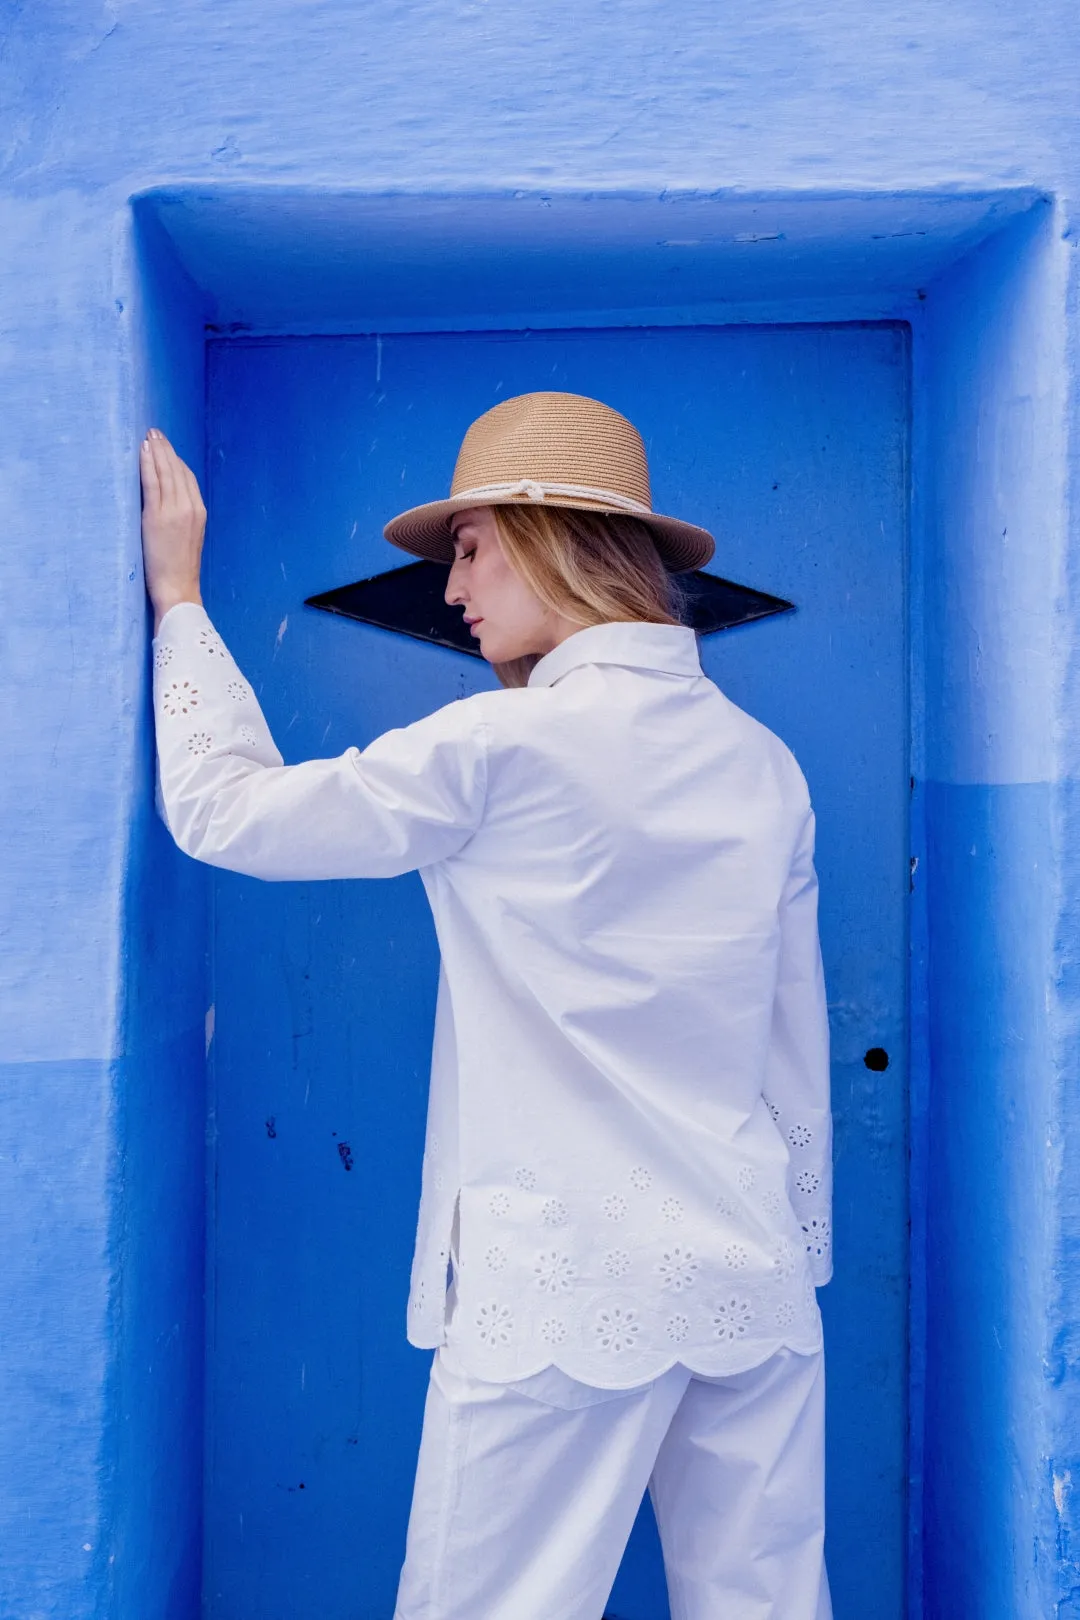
(1062, 1486)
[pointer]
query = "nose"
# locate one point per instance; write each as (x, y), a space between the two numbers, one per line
(454, 595)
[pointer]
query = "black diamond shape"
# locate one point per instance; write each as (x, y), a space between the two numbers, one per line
(410, 601)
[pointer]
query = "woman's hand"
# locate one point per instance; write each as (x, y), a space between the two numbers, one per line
(173, 523)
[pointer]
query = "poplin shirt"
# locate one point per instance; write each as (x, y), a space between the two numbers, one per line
(628, 1142)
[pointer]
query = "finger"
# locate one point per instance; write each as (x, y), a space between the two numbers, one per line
(150, 486)
(193, 488)
(164, 460)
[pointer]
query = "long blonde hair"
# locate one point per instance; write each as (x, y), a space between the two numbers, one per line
(591, 567)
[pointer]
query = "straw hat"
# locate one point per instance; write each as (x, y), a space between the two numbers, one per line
(551, 450)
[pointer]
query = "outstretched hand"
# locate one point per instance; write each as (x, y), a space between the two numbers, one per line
(173, 524)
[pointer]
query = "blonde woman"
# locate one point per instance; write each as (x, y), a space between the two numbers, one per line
(626, 1181)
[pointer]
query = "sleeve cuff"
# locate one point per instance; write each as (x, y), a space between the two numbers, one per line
(181, 608)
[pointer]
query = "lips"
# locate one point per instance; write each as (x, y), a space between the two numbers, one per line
(472, 623)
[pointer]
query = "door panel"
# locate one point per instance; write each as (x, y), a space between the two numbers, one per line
(791, 444)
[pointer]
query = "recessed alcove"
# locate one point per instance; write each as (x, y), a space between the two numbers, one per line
(859, 392)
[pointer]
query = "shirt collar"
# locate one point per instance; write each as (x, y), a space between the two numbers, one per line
(671, 648)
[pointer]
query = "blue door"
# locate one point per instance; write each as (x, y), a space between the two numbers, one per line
(791, 445)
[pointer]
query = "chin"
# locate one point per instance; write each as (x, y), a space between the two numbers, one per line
(495, 650)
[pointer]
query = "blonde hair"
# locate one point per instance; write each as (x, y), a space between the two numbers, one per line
(591, 567)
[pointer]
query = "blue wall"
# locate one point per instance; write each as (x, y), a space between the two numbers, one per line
(772, 111)
(994, 378)
(793, 443)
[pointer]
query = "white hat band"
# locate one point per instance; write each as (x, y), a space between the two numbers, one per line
(535, 491)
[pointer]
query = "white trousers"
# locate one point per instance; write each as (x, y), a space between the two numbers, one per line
(526, 1493)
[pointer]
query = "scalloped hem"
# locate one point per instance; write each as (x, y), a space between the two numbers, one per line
(704, 1366)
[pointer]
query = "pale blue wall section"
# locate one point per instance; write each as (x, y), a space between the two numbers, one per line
(993, 382)
(55, 1401)
(101, 1102)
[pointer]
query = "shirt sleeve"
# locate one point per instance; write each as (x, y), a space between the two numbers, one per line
(413, 797)
(797, 1073)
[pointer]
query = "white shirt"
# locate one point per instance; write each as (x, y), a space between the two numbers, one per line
(629, 1105)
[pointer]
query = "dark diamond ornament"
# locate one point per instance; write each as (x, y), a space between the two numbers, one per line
(410, 601)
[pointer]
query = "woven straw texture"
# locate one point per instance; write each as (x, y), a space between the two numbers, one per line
(550, 438)
(556, 438)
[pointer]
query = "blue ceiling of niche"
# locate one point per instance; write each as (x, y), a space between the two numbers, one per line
(272, 258)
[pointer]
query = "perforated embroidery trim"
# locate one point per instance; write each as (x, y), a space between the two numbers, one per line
(617, 1329)
(677, 1269)
(180, 697)
(494, 1323)
(731, 1317)
(554, 1272)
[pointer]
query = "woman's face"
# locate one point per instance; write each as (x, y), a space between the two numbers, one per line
(501, 610)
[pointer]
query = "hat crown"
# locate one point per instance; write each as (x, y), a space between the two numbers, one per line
(554, 438)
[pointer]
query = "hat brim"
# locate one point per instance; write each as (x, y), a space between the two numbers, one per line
(424, 531)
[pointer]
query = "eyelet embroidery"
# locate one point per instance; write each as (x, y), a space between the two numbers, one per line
(200, 742)
(180, 697)
(555, 1272)
(617, 1329)
(731, 1317)
(163, 657)
(212, 643)
(677, 1269)
(771, 1106)
(818, 1236)
(553, 1212)
(248, 735)
(494, 1323)
(622, 1329)
(783, 1258)
(239, 691)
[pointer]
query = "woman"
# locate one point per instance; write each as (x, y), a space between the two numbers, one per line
(627, 1165)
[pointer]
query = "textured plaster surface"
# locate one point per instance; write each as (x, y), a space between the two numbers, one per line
(101, 972)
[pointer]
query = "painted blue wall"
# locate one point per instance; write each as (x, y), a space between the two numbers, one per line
(792, 443)
(995, 377)
(104, 994)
